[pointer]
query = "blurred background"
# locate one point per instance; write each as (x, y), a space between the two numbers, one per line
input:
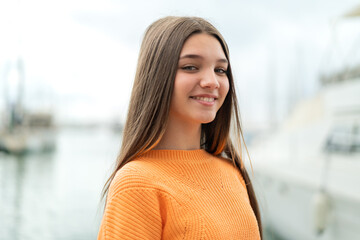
(66, 72)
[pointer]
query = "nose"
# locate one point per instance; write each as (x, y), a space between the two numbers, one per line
(209, 80)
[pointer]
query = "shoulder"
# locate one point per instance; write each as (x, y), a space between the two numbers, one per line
(137, 174)
(133, 200)
(230, 168)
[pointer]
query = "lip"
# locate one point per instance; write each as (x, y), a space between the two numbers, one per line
(205, 103)
(206, 95)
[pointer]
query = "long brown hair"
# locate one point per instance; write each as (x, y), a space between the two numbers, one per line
(151, 96)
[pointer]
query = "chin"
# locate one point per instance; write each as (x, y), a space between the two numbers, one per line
(208, 119)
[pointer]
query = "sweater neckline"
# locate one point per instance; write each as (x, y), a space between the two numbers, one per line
(181, 155)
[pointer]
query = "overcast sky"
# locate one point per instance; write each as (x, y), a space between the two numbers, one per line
(80, 56)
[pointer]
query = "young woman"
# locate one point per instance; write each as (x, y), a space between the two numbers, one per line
(179, 174)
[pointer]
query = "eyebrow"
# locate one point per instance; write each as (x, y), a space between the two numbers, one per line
(224, 60)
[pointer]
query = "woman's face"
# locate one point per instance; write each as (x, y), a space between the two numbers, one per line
(201, 83)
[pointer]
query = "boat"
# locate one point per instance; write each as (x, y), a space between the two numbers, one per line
(37, 134)
(24, 131)
(307, 174)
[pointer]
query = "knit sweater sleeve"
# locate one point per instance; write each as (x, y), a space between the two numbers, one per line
(132, 211)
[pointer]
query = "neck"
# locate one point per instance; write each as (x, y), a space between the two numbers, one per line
(180, 135)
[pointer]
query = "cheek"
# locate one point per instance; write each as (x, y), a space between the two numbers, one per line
(224, 88)
(183, 84)
(179, 92)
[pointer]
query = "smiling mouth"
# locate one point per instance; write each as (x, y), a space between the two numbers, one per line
(205, 99)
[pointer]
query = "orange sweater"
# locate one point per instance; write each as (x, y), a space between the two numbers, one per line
(178, 194)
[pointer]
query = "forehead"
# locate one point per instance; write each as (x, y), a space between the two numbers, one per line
(203, 44)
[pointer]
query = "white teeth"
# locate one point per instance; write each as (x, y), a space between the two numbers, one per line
(206, 99)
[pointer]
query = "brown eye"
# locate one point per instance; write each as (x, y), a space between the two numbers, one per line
(189, 68)
(221, 70)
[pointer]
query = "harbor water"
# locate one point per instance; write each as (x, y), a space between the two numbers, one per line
(56, 196)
